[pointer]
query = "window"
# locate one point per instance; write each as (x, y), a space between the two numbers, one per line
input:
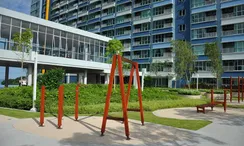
(182, 27)
(183, 12)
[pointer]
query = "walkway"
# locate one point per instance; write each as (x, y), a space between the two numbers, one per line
(227, 129)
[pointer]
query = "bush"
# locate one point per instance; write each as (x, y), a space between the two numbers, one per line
(173, 90)
(51, 79)
(18, 97)
(188, 92)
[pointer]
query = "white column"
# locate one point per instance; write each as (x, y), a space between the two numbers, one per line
(85, 77)
(30, 74)
(86, 52)
(144, 70)
(170, 80)
(106, 79)
(67, 78)
(34, 84)
(135, 80)
(197, 80)
(80, 78)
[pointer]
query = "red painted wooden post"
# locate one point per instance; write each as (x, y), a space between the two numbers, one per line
(76, 102)
(239, 89)
(225, 100)
(242, 93)
(230, 89)
(212, 98)
(42, 106)
(122, 92)
(129, 85)
(139, 93)
(60, 104)
(110, 85)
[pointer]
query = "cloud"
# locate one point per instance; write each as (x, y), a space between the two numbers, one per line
(22, 6)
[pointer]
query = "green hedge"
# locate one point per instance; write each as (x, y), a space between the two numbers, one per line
(90, 96)
(188, 92)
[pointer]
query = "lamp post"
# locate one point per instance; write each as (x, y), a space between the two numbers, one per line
(197, 75)
(173, 56)
(34, 84)
(144, 70)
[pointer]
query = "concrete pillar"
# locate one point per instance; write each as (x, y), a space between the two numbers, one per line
(170, 80)
(85, 77)
(80, 78)
(67, 78)
(86, 52)
(135, 80)
(106, 79)
(144, 70)
(30, 74)
(6, 75)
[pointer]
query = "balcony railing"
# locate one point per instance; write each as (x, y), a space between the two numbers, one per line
(105, 25)
(232, 50)
(205, 19)
(124, 9)
(206, 35)
(166, 11)
(230, 15)
(124, 20)
(140, 4)
(168, 39)
(140, 43)
(167, 69)
(232, 32)
(127, 45)
(204, 3)
(108, 3)
(228, 68)
(140, 56)
(137, 18)
(124, 32)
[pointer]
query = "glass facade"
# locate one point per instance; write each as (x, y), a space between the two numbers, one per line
(52, 41)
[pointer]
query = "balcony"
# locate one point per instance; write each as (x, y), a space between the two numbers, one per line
(126, 32)
(106, 25)
(124, 11)
(124, 21)
(205, 19)
(93, 1)
(167, 14)
(140, 57)
(106, 5)
(232, 32)
(228, 68)
(75, 6)
(204, 3)
(136, 5)
(140, 43)
(232, 50)
(62, 3)
(167, 56)
(55, 6)
(82, 13)
(139, 19)
(205, 35)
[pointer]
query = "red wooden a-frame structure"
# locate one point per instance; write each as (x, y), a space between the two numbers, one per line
(124, 97)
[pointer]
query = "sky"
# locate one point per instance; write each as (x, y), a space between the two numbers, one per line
(22, 6)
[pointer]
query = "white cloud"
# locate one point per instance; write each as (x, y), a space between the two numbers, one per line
(17, 5)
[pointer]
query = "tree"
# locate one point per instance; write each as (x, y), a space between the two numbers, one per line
(114, 47)
(52, 79)
(213, 52)
(184, 60)
(22, 43)
(158, 66)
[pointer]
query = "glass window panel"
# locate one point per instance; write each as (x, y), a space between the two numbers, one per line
(15, 22)
(5, 29)
(25, 24)
(6, 20)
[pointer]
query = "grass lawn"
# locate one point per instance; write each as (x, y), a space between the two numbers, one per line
(20, 113)
(149, 117)
(178, 123)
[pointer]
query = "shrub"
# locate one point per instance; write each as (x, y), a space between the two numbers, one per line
(188, 92)
(51, 79)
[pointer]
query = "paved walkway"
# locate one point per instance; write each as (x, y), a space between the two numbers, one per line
(227, 129)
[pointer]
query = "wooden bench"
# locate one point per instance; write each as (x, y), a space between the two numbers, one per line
(201, 108)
